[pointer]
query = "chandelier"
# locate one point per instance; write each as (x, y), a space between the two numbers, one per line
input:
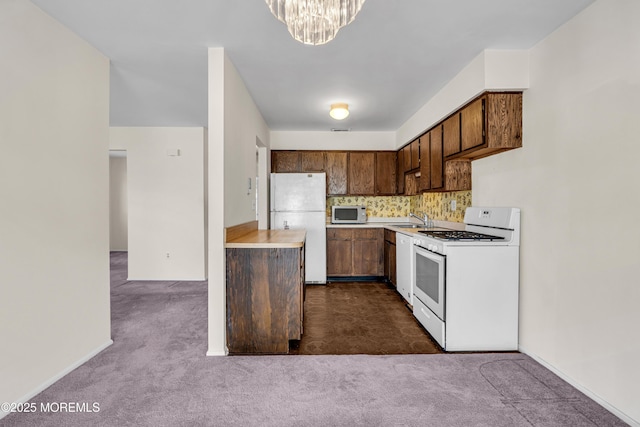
(315, 22)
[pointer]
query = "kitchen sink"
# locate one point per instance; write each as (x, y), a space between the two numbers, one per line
(411, 226)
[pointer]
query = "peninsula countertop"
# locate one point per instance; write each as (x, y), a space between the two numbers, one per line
(269, 239)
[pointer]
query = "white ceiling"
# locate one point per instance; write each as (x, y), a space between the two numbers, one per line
(388, 63)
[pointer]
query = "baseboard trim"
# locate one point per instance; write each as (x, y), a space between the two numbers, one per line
(609, 407)
(217, 353)
(39, 389)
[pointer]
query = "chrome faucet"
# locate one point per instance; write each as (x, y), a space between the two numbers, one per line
(425, 220)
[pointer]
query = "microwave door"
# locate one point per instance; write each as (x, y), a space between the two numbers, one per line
(346, 214)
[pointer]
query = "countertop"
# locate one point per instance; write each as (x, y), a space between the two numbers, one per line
(395, 224)
(269, 239)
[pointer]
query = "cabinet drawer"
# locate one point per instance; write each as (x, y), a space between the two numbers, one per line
(339, 233)
(367, 234)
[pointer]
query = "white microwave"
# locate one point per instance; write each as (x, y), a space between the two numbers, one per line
(348, 214)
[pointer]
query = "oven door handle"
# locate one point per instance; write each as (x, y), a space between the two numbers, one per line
(428, 253)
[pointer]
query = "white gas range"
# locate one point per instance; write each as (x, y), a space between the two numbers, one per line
(465, 282)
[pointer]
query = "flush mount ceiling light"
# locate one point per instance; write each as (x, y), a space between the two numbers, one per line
(339, 111)
(315, 22)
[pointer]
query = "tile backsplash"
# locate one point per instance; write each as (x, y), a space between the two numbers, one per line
(436, 205)
(379, 206)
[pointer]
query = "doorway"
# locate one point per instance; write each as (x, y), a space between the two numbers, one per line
(118, 206)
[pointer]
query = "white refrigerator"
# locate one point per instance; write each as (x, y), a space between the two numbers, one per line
(298, 201)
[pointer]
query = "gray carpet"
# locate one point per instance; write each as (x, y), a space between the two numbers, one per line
(156, 374)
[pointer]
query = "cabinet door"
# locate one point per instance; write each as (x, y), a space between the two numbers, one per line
(415, 154)
(472, 124)
(339, 252)
(368, 252)
(385, 173)
(387, 259)
(451, 135)
(361, 173)
(424, 183)
(410, 184)
(336, 169)
(285, 161)
(504, 120)
(435, 158)
(400, 172)
(407, 157)
(311, 161)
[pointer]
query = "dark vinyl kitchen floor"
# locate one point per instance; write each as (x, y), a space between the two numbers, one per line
(360, 318)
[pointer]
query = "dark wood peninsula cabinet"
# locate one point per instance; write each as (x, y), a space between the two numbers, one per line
(355, 252)
(264, 288)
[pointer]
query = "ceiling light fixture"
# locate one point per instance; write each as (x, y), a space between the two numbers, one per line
(339, 111)
(315, 22)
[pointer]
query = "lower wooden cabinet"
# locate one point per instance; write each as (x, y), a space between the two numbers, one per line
(265, 299)
(390, 257)
(353, 252)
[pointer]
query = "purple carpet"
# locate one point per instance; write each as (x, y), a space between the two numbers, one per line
(156, 374)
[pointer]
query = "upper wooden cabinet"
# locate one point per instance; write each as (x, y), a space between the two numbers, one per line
(415, 154)
(297, 161)
(312, 161)
(285, 161)
(436, 158)
(431, 160)
(472, 129)
(424, 183)
(336, 169)
(361, 173)
(385, 177)
(491, 124)
(451, 135)
(400, 172)
(406, 158)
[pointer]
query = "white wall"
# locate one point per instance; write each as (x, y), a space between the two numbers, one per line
(301, 140)
(165, 201)
(243, 123)
(576, 179)
(118, 212)
(490, 70)
(235, 124)
(54, 193)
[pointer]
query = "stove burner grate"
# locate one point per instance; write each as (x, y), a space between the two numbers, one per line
(460, 235)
